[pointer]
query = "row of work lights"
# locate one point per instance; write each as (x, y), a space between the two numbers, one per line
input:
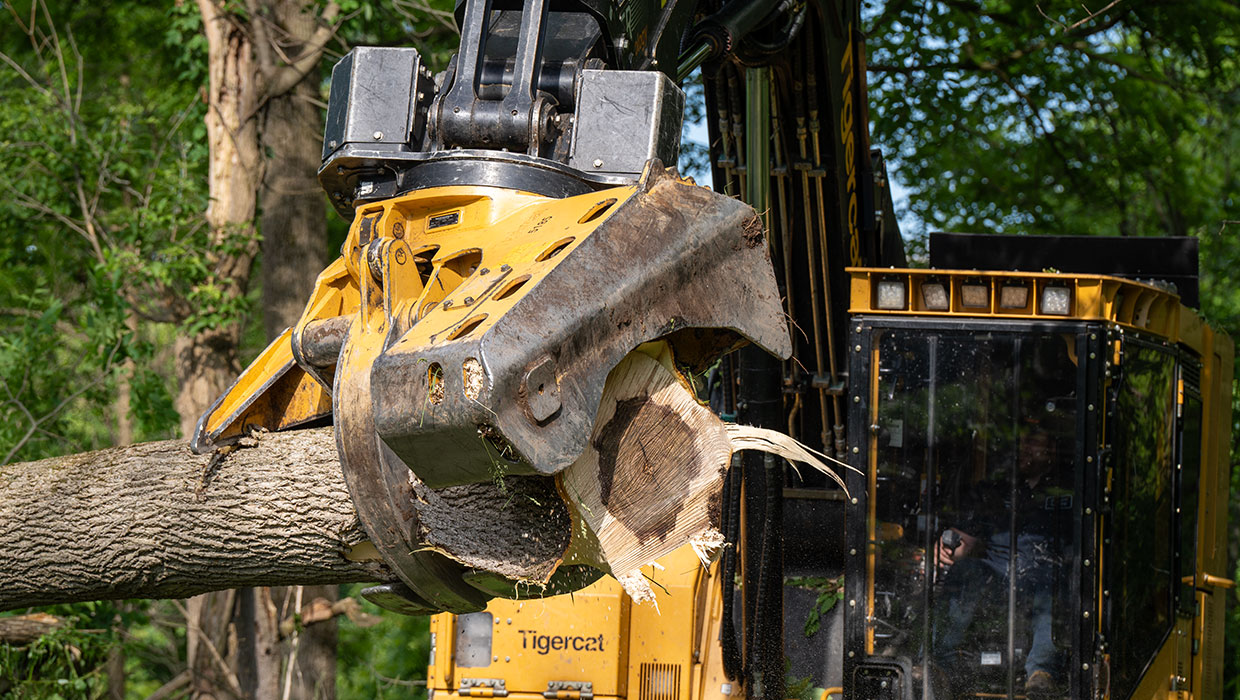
(927, 291)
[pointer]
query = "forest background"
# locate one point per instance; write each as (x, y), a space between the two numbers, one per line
(160, 219)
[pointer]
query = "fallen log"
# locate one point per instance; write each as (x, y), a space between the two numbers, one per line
(157, 521)
(24, 629)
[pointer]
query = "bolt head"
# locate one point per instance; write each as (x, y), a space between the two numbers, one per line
(598, 162)
(378, 135)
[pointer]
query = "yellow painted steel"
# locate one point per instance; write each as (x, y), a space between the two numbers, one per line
(1189, 664)
(871, 516)
(517, 237)
(433, 240)
(1130, 304)
(1217, 352)
(540, 647)
(272, 393)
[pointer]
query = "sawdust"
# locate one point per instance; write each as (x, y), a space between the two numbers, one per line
(471, 370)
(434, 380)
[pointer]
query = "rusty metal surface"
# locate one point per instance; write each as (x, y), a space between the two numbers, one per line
(321, 340)
(398, 598)
(673, 257)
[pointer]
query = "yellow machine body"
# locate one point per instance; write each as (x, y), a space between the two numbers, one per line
(439, 238)
(673, 653)
(1189, 660)
(593, 643)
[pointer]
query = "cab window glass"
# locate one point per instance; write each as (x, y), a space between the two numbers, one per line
(972, 533)
(1141, 571)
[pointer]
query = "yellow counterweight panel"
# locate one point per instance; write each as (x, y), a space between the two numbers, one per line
(554, 647)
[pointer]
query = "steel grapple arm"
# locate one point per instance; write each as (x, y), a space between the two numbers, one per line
(514, 236)
(467, 332)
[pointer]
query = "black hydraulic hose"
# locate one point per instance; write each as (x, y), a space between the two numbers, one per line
(760, 404)
(755, 47)
(766, 664)
(730, 524)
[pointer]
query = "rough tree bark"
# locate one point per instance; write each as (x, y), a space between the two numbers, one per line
(294, 249)
(156, 521)
(255, 62)
(290, 40)
(294, 227)
(206, 361)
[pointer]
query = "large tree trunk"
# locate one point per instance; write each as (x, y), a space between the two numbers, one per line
(294, 218)
(156, 521)
(206, 362)
(294, 250)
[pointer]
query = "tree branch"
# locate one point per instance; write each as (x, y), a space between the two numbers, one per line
(23, 629)
(281, 80)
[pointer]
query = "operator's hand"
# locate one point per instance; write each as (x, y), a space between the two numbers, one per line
(945, 556)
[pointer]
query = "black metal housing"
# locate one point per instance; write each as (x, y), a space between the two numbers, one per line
(1171, 259)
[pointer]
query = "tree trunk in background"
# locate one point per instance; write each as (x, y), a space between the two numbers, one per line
(206, 362)
(294, 218)
(124, 393)
(294, 228)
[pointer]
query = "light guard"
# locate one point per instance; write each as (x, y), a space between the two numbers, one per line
(1055, 300)
(892, 294)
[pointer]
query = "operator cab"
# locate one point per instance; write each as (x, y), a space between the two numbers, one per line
(1030, 454)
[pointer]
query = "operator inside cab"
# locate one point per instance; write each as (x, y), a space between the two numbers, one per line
(974, 510)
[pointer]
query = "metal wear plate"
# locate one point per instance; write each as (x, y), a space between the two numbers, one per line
(673, 260)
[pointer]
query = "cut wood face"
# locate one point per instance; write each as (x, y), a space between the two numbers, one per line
(643, 452)
(651, 477)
